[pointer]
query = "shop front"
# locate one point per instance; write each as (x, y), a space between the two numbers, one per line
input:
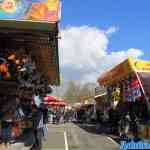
(28, 65)
(101, 102)
(127, 94)
(87, 109)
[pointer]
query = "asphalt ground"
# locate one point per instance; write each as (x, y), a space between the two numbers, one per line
(71, 136)
(77, 137)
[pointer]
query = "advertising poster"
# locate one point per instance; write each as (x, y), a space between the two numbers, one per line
(33, 10)
(141, 65)
(145, 80)
(120, 71)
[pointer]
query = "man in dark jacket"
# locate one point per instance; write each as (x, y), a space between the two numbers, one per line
(37, 127)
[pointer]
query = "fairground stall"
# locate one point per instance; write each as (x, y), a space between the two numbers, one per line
(101, 103)
(57, 108)
(86, 109)
(100, 99)
(128, 86)
(28, 61)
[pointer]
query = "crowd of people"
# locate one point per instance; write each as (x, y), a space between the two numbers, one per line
(119, 120)
(84, 114)
(59, 115)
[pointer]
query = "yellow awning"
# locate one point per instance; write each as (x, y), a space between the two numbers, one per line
(123, 70)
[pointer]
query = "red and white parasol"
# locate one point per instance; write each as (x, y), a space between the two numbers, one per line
(50, 99)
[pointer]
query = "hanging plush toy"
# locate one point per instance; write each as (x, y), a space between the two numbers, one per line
(4, 73)
(12, 57)
(116, 94)
(18, 64)
(7, 76)
(3, 68)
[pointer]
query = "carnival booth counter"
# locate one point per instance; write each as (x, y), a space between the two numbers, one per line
(128, 95)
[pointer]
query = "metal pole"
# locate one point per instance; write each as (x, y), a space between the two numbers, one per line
(146, 98)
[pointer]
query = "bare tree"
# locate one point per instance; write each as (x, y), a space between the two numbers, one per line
(75, 91)
(87, 90)
(71, 94)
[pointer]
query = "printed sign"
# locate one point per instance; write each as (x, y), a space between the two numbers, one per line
(142, 65)
(117, 73)
(124, 69)
(34, 10)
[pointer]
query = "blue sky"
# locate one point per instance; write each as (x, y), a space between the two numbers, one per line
(131, 17)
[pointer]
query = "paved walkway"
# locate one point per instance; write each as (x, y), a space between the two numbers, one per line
(72, 137)
(18, 146)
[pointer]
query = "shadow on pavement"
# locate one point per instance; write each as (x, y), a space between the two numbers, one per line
(91, 128)
(94, 129)
(27, 139)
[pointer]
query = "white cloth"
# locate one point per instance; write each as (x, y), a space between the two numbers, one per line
(37, 100)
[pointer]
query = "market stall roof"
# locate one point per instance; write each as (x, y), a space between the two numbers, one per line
(87, 102)
(100, 96)
(78, 104)
(59, 103)
(123, 70)
(50, 99)
(27, 25)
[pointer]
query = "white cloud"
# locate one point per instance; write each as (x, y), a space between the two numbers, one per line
(135, 52)
(111, 30)
(80, 46)
(110, 60)
(84, 55)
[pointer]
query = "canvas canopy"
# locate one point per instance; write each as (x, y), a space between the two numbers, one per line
(123, 70)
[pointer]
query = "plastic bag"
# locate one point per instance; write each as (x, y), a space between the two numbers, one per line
(45, 131)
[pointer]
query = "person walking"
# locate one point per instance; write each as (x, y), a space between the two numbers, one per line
(37, 127)
(44, 110)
